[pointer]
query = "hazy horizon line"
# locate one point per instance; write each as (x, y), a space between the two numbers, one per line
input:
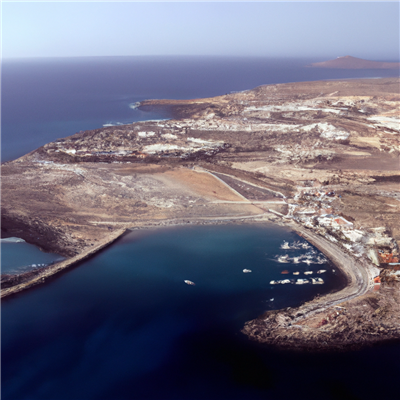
(199, 56)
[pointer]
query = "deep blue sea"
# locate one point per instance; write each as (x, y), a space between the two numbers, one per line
(124, 325)
(46, 99)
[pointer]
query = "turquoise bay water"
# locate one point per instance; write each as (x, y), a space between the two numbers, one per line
(23, 257)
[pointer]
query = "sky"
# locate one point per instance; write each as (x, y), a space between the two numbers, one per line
(267, 29)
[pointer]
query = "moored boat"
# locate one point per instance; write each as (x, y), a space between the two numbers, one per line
(302, 281)
(317, 281)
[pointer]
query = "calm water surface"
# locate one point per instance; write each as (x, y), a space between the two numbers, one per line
(23, 257)
(46, 99)
(124, 325)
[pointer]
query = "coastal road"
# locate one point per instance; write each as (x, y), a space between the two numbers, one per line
(359, 274)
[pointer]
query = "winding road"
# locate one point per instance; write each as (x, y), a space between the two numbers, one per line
(359, 275)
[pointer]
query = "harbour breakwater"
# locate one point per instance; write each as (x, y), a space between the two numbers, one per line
(11, 284)
(271, 147)
(327, 322)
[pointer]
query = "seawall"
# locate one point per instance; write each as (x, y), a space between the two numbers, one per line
(50, 271)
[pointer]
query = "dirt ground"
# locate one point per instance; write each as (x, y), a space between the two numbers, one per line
(311, 153)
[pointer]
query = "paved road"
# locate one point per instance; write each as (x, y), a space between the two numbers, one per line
(241, 180)
(360, 276)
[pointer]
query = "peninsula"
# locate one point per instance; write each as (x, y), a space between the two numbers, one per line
(319, 157)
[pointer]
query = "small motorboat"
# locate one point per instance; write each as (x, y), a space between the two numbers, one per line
(301, 281)
(317, 281)
(246, 271)
(190, 283)
(283, 259)
(285, 245)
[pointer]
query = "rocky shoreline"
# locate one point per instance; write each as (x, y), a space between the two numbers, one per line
(12, 284)
(326, 323)
(348, 319)
(319, 157)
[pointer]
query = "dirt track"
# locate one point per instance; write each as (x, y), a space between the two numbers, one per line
(322, 153)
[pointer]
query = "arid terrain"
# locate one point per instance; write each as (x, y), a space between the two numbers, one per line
(319, 157)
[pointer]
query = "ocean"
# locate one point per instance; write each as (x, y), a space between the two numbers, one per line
(124, 325)
(46, 99)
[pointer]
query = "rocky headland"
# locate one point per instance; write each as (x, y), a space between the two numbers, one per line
(319, 157)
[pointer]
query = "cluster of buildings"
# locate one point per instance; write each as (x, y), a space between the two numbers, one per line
(315, 208)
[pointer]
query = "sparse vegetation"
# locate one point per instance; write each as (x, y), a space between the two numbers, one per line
(321, 155)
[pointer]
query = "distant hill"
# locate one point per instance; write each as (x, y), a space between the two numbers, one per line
(349, 62)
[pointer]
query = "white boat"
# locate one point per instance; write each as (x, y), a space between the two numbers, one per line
(321, 271)
(301, 281)
(283, 259)
(308, 272)
(273, 282)
(285, 245)
(317, 281)
(296, 273)
(190, 283)
(246, 271)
